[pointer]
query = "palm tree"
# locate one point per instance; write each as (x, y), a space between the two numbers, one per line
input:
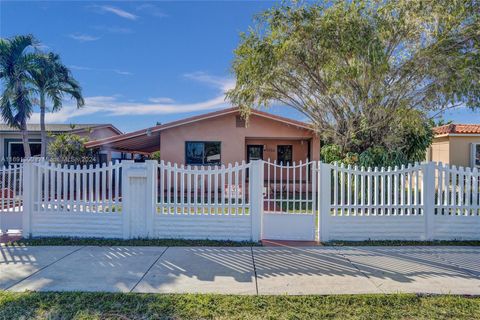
(16, 104)
(51, 79)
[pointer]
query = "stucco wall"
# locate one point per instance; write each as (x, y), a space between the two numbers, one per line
(454, 150)
(98, 133)
(460, 149)
(233, 146)
(440, 151)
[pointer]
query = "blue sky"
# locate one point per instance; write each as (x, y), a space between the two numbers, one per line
(139, 62)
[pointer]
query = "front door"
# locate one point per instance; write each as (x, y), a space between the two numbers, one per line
(254, 152)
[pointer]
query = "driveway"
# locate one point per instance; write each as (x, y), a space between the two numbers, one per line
(245, 270)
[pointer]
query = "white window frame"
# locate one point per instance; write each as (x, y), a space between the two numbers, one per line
(473, 151)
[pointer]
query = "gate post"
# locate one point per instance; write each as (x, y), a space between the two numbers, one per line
(428, 191)
(138, 196)
(256, 198)
(28, 184)
(324, 198)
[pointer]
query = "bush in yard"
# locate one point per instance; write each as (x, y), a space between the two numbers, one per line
(69, 149)
(155, 156)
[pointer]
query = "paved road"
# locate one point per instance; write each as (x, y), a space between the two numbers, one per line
(257, 270)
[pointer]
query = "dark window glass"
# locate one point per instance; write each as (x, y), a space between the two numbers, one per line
(17, 153)
(284, 154)
(477, 155)
(202, 153)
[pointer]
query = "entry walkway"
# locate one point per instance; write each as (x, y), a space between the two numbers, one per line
(245, 270)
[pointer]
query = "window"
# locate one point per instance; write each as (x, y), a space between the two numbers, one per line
(202, 153)
(16, 150)
(284, 154)
(475, 155)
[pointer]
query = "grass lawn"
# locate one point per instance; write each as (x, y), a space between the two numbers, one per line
(63, 241)
(32, 305)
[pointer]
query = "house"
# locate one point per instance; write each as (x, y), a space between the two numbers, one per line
(222, 137)
(11, 146)
(456, 144)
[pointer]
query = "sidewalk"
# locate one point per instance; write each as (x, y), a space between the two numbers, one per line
(245, 270)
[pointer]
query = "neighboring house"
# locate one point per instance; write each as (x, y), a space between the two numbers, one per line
(456, 144)
(11, 146)
(222, 137)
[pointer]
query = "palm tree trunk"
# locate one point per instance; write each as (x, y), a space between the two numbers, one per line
(26, 146)
(43, 132)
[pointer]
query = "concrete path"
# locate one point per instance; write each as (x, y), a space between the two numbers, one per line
(246, 270)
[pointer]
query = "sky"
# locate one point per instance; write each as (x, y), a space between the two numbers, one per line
(140, 62)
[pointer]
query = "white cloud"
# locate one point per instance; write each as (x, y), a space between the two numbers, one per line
(114, 106)
(119, 12)
(161, 100)
(83, 37)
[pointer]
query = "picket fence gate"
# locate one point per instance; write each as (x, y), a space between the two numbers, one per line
(247, 201)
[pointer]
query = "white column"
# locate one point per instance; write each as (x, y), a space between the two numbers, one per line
(29, 184)
(428, 190)
(151, 195)
(256, 198)
(324, 199)
(126, 199)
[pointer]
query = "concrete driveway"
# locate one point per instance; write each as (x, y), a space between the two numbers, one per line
(245, 270)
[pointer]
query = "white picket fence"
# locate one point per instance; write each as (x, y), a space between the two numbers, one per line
(11, 194)
(258, 200)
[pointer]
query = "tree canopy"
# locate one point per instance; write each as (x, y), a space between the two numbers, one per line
(367, 73)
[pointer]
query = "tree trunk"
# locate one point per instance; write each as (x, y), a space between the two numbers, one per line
(26, 145)
(43, 132)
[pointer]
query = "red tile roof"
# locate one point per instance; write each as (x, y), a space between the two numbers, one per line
(458, 129)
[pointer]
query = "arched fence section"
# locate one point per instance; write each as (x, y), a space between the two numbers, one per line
(199, 202)
(247, 201)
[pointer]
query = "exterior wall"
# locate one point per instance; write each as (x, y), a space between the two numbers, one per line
(440, 151)
(460, 149)
(97, 133)
(453, 150)
(233, 146)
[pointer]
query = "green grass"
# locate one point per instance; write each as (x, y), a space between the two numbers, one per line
(69, 305)
(63, 241)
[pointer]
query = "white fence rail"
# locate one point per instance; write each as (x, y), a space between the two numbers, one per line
(298, 201)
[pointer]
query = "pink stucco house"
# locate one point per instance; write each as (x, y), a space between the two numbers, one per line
(221, 137)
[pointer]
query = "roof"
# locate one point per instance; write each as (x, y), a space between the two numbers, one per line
(154, 131)
(457, 129)
(59, 127)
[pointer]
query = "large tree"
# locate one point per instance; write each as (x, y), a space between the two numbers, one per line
(52, 80)
(16, 103)
(357, 68)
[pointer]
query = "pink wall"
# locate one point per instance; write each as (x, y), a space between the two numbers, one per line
(233, 139)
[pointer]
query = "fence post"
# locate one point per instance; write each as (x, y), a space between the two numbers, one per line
(151, 195)
(126, 164)
(256, 198)
(28, 198)
(429, 198)
(324, 198)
